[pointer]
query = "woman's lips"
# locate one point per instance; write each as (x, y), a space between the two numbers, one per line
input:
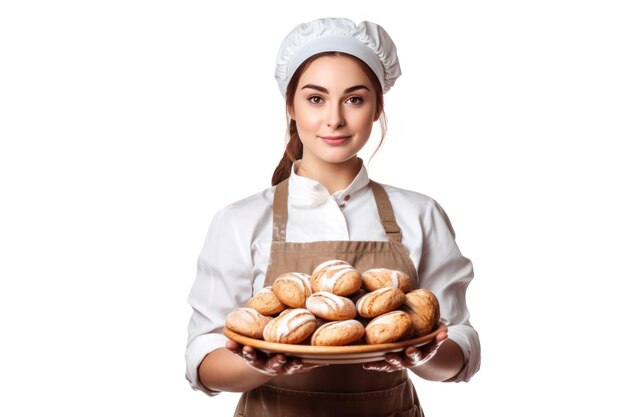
(335, 140)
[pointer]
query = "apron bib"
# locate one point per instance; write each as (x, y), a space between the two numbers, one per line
(335, 390)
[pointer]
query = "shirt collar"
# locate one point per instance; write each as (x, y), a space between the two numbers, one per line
(306, 192)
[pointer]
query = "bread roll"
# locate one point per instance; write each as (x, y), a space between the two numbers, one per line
(329, 306)
(338, 333)
(388, 328)
(292, 327)
(380, 302)
(424, 307)
(374, 279)
(336, 276)
(247, 321)
(292, 289)
(266, 302)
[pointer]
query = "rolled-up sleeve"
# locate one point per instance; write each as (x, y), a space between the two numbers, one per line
(223, 282)
(447, 273)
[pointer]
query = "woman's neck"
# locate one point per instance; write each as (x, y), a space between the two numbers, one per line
(333, 176)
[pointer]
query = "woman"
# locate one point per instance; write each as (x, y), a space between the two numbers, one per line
(322, 205)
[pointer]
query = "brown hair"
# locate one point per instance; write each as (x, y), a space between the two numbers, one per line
(293, 150)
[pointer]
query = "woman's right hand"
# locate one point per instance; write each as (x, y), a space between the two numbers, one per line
(272, 365)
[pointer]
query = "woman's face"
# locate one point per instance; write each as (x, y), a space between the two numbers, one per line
(334, 108)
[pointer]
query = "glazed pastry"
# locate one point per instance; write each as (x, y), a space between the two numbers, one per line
(329, 306)
(377, 278)
(292, 289)
(247, 321)
(380, 302)
(390, 327)
(266, 302)
(338, 333)
(336, 276)
(290, 327)
(424, 307)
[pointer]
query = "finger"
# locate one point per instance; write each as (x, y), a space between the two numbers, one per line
(293, 366)
(429, 353)
(234, 347)
(250, 355)
(381, 366)
(412, 355)
(276, 362)
(393, 359)
(306, 366)
(441, 337)
(425, 359)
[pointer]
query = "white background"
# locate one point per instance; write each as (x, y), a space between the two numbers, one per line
(125, 125)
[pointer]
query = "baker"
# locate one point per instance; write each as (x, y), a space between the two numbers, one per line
(322, 205)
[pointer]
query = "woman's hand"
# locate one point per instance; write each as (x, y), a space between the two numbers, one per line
(411, 357)
(272, 365)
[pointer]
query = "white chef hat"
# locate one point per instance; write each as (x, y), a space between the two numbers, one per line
(367, 41)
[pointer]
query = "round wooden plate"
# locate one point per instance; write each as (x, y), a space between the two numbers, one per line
(334, 354)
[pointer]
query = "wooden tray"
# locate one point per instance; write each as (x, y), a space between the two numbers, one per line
(334, 354)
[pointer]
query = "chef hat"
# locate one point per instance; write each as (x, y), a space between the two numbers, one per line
(367, 41)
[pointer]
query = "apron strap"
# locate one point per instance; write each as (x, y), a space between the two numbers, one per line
(385, 212)
(280, 211)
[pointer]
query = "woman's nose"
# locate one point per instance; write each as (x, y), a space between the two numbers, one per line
(335, 117)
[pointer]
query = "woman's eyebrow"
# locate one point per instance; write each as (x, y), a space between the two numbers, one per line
(324, 90)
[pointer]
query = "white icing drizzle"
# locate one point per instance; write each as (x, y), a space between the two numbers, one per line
(300, 279)
(291, 321)
(387, 319)
(395, 280)
(339, 271)
(325, 301)
(334, 325)
(306, 280)
(342, 323)
(394, 276)
(325, 264)
(382, 290)
(371, 297)
(249, 314)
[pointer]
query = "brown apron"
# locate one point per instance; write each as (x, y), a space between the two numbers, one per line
(335, 390)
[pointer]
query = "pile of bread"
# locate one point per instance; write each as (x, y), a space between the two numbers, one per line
(337, 305)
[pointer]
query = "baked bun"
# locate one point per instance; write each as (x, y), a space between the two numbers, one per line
(266, 302)
(338, 333)
(424, 308)
(390, 327)
(247, 321)
(329, 306)
(380, 302)
(291, 327)
(338, 277)
(378, 278)
(292, 288)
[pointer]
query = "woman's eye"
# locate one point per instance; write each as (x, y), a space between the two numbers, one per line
(355, 100)
(315, 99)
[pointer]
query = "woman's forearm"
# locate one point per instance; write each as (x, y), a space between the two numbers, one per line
(222, 370)
(447, 363)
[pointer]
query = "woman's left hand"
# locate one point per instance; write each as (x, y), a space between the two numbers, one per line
(411, 357)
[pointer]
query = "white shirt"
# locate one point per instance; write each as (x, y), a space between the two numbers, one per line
(235, 255)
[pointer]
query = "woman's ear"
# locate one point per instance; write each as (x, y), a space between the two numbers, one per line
(290, 112)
